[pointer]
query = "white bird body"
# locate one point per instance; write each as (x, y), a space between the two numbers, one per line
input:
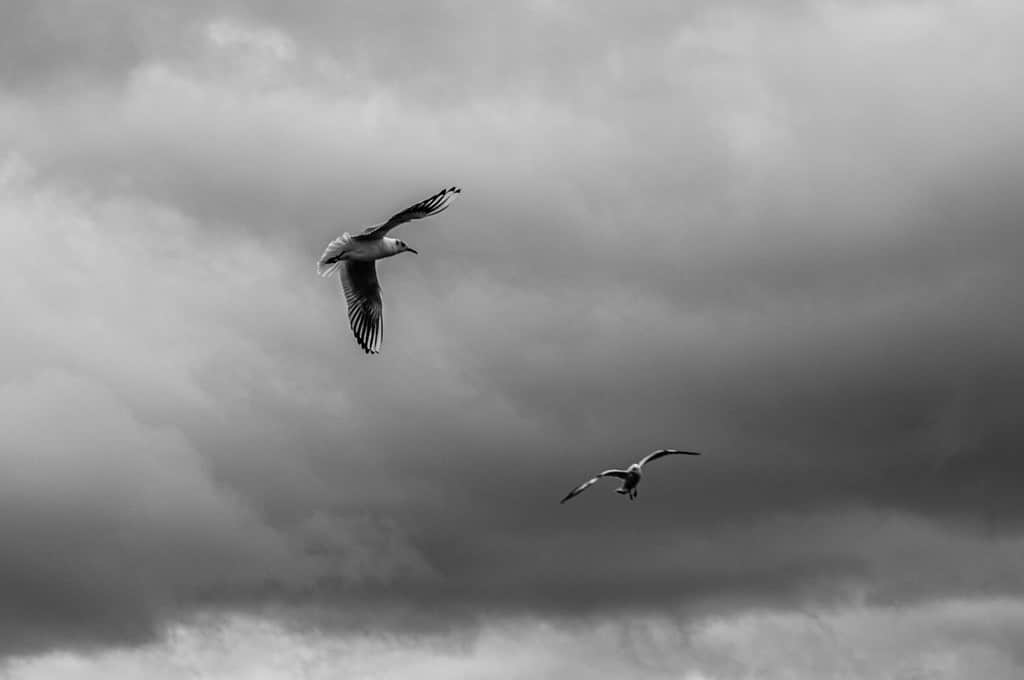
(349, 248)
(353, 257)
(630, 477)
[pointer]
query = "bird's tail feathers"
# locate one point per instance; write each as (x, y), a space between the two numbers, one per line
(331, 260)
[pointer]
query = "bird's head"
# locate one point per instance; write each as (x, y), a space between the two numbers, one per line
(404, 247)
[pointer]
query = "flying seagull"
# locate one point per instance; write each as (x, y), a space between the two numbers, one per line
(630, 476)
(353, 257)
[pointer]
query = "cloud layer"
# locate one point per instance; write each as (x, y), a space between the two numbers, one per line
(784, 234)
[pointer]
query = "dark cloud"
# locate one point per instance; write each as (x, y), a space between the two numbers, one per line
(784, 235)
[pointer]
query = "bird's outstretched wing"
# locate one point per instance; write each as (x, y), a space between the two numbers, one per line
(655, 455)
(425, 208)
(621, 474)
(365, 311)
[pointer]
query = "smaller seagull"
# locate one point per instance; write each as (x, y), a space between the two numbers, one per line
(353, 257)
(630, 476)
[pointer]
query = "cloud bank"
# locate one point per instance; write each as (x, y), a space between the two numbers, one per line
(784, 234)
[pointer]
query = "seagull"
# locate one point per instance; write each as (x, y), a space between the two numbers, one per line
(353, 257)
(630, 476)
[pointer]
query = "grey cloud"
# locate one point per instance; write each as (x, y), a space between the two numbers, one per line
(941, 641)
(102, 517)
(777, 235)
(58, 45)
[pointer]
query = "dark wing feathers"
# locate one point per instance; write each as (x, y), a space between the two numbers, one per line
(621, 474)
(660, 453)
(431, 206)
(365, 310)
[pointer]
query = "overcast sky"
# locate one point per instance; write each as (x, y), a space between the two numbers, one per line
(786, 234)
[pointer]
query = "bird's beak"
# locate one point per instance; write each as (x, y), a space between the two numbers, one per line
(412, 250)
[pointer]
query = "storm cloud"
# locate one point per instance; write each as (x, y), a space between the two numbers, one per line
(785, 234)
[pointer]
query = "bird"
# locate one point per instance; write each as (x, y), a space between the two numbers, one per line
(630, 476)
(353, 258)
